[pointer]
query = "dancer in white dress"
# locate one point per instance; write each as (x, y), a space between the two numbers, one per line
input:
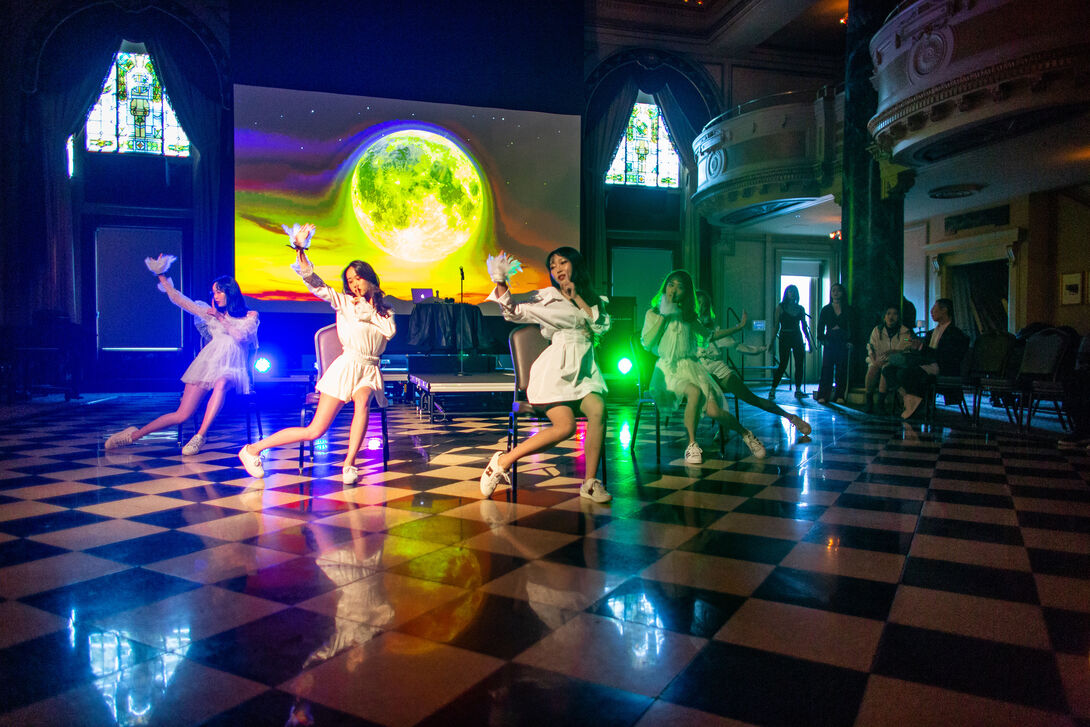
(729, 380)
(364, 325)
(231, 333)
(565, 377)
(672, 331)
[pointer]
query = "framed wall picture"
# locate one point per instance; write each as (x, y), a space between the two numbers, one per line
(1070, 288)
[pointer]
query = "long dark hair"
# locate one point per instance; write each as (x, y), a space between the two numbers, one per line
(688, 294)
(374, 297)
(787, 290)
(709, 319)
(235, 305)
(579, 274)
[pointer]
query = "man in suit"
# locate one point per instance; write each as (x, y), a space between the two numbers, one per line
(942, 352)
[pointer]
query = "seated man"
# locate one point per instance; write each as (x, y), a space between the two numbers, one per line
(940, 353)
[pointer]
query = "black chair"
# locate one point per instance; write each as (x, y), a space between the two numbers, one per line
(526, 344)
(989, 368)
(1048, 374)
(327, 347)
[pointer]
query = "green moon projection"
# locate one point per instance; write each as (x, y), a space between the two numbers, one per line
(417, 195)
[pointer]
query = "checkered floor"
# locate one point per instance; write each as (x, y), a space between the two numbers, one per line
(875, 574)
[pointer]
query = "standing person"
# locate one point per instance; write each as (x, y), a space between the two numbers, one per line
(672, 331)
(728, 379)
(887, 338)
(834, 332)
(940, 352)
(220, 365)
(789, 322)
(364, 324)
(565, 378)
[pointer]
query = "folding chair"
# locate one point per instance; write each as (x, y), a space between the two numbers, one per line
(526, 344)
(327, 347)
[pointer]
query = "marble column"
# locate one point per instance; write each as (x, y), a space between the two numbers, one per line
(872, 199)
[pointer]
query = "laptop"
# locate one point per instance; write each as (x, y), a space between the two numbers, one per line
(421, 295)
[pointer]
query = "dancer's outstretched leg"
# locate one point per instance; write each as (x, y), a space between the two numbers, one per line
(328, 407)
(735, 385)
(211, 409)
(191, 398)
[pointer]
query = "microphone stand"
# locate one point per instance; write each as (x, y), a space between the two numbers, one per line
(461, 313)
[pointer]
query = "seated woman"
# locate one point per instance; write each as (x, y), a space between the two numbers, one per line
(939, 353)
(887, 338)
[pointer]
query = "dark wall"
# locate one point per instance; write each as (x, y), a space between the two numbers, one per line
(516, 55)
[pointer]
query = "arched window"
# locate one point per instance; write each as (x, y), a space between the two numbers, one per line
(132, 114)
(645, 157)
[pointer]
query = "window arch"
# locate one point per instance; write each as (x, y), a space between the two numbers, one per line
(133, 114)
(646, 156)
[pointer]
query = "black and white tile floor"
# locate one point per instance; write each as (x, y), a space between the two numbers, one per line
(874, 574)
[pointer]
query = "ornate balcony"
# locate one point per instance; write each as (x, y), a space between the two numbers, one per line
(768, 155)
(954, 75)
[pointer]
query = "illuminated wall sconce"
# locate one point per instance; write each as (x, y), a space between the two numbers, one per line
(835, 235)
(1010, 255)
(935, 265)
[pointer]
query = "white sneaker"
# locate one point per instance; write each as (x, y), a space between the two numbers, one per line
(694, 454)
(252, 462)
(193, 445)
(593, 489)
(121, 439)
(493, 475)
(801, 424)
(349, 475)
(754, 445)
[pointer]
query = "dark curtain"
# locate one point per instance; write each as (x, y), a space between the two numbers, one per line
(683, 128)
(600, 140)
(191, 81)
(74, 64)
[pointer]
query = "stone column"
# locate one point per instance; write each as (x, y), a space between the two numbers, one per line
(872, 199)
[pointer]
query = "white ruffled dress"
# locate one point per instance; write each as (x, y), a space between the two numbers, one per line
(566, 370)
(677, 349)
(363, 334)
(226, 353)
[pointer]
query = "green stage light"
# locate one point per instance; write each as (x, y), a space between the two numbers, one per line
(624, 366)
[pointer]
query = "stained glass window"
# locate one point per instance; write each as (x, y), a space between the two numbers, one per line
(133, 114)
(645, 156)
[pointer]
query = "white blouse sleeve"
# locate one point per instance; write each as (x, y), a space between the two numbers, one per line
(384, 324)
(315, 284)
(654, 324)
(516, 312)
(201, 309)
(599, 321)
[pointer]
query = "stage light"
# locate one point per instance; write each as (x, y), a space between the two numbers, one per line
(625, 435)
(624, 366)
(262, 364)
(374, 443)
(321, 444)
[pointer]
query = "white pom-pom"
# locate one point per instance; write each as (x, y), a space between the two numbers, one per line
(161, 264)
(502, 267)
(294, 240)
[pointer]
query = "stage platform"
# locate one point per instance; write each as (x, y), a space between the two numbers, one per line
(428, 386)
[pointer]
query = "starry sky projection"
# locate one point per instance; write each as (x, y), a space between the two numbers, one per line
(416, 189)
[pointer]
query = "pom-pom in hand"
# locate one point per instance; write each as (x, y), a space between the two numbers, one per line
(502, 267)
(159, 265)
(299, 235)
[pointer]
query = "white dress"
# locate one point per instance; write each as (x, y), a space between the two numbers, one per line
(677, 349)
(363, 334)
(225, 354)
(566, 370)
